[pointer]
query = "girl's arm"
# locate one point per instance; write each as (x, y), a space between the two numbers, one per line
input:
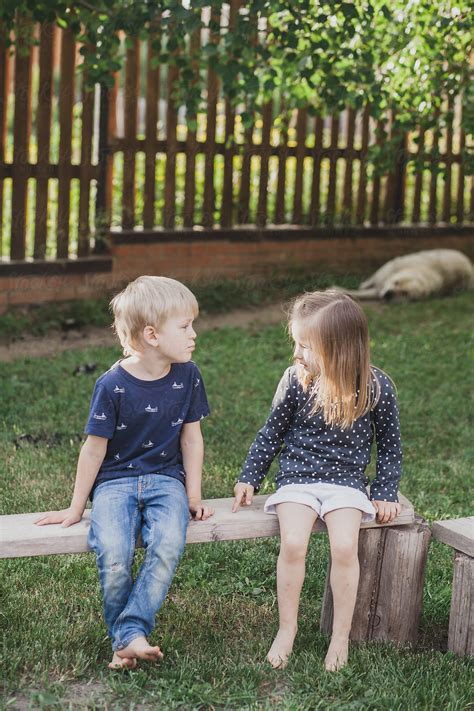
(192, 448)
(91, 457)
(270, 438)
(384, 488)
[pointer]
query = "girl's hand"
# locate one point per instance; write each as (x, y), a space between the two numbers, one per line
(386, 510)
(243, 495)
(198, 511)
(66, 517)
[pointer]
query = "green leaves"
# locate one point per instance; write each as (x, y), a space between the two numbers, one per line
(405, 56)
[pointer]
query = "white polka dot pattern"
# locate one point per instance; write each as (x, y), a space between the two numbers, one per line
(311, 451)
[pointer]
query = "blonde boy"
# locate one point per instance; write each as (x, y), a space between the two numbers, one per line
(142, 459)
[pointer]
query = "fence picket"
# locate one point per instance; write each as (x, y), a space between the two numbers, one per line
(460, 185)
(87, 129)
(331, 203)
(434, 174)
(446, 214)
(191, 146)
(362, 187)
(129, 152)
(46, 50)
(210, 147)
(4, 91)
(300, 156)
(151, 120)
(376, 179)
(265, 150)
(279, 216)
(66, 102)
(347, 194)
(21, 134)
(169, 210)
(419, 169)
(316, 181)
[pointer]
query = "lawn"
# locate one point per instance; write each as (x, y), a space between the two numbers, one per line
(219, 618)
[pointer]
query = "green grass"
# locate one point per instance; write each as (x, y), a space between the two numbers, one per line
(219, 618)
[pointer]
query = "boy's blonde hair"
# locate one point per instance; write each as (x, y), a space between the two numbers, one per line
(335, 328)
(149, 301)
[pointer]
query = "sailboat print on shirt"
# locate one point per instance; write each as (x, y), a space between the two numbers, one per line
(118, 389)
(179, 421)
(117, 456)
(177, 386)
(103, 416)
(148, 444)
(149, 408)
(121, 427)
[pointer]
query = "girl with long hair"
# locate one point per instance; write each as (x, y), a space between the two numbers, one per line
(325, 413)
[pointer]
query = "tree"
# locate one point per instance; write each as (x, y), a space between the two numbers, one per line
(408, 56)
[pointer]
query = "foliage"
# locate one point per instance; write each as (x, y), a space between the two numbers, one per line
(408, 57)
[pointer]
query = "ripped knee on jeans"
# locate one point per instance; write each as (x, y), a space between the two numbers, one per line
(115, 567)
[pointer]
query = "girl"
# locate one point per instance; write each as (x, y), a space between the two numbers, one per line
(325, 412)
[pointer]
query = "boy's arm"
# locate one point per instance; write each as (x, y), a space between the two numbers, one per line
(91, 457)
(192, 449)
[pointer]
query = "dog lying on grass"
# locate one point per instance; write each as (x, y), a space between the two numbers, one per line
(418, 276)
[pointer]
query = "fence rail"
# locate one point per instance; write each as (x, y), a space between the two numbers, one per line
(75, 162)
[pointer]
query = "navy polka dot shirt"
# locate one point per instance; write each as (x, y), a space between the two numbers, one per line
(311, 451)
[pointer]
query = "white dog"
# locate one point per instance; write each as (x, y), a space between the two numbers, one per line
(419, 275)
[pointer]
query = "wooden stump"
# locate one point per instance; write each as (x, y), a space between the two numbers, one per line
(390, 594)
(461, 618)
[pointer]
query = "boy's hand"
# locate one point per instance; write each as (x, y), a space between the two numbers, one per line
(386, 510)
(198, 511)
(243, 495)
(66, 517)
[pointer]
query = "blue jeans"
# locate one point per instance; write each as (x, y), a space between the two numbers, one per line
(157, 507)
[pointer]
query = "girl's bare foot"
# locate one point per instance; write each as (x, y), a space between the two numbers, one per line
(122, 662)
(281, 648)
(337, 654)
(140, 649)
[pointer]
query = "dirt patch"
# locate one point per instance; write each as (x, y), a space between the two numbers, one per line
(58, 342)
(77, 695)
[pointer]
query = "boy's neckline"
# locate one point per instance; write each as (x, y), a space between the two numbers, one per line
(142, 381)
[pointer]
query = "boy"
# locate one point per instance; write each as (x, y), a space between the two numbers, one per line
(142, 459)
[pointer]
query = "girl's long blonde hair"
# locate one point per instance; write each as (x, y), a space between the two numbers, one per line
(335, 328)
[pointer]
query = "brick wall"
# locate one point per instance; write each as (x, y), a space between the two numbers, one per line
(193, 256)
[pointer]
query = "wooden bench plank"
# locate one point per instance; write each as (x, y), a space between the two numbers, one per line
(19, 537)
(457, 533)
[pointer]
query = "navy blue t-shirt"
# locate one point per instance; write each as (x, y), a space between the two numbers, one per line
(143, 419)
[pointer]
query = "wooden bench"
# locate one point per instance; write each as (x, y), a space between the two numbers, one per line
(392, 558)
(459, 535)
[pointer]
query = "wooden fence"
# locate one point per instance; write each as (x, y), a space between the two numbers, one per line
(75, 163)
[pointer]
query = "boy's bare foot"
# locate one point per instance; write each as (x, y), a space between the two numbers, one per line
(122, 662)
(140, 649)
(281, 648)
(337, 654)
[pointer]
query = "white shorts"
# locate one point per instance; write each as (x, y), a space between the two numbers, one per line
(322, 498)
